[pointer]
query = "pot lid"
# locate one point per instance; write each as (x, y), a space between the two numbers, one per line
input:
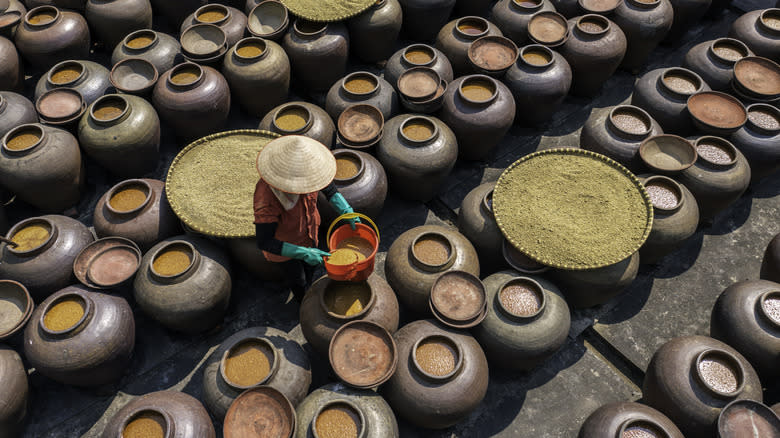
(458, 299)
(260, 412)
(363, 354)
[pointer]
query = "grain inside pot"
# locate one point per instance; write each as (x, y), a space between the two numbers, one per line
(172, 260)
(457, 297)
(418, 56)
(186, 75)
(521, 299)
(128, 198)
(536, 57)
(718, 374)
(31, 236)
(773, 22)
(432, 250)
(714, 153)
(477, 90)
(11, 312)
(248, 363)
(436, 357)
(338, 421)
(347, 298)
(211, 16)
(109, 110)
(662, 195)
(251, 49)
(23, 140)
(361, 84)
(591, 26)
(527, 3)
(771, 307)
(728, 51)
(346, 167)
(764, 119)
(66, 74)
(291, 119)
(680, 83)
(630, 122)
(641, 430)
(145, 425)
(472, 28)
(64, 314)
(42, 17)
(418, 129)
(140, 42)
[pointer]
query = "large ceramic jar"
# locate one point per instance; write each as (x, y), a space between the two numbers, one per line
(617, 133)
(758, 29)
(746, 317)
(244, 252)
(79, 337)
(477, 223)
(48, 36)
(594, 50)
(362, 181)
(336, 409)
(480, 110)
(136, 209)
(423, 18)
(527, 321)
(718, 177)
(330, 304)
(15, 110)
(691, 378)
(362, 87)
(230, 20)
(160, 49)
(770, 265)
(687, 14)
(318, 52)
(192, 99)
(675, 217)
(11, 67)
(14, 11)
(13, 392)
(417, 258)
(628, 419)
(417, 55)
(442, 375)
(374, 32)
(664, 94)
(455, 37)
(758, 140)
(112, 20)
(714, 61)
(184, 283)
(300, 118)
(540, 79)
(257, 67)
(251, 357)
(512, 17)
(176, 414)
(645, 24)
(87, 77)
(122, 133)
(42, 165)
(591, 287)
(418, 153)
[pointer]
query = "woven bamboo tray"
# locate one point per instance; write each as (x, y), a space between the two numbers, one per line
(327, 10)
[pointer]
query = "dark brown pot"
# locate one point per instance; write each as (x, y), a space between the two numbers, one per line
(770, 265)
(145, 224)
(423, 18)
(318, 124)
(714, 61)
(479, 121)
(15, 110)
(245, 253)
(512, 17)
(542, 87)
(617, 133)
(365, 190)
(417, 55)
(674, 220)
(477, 223)
(257, 67)
(11, 68)
(192, 107)
(374, 32)
(594, 50)
(455, 37)
(318, 52)
(160, 49)
(13, 11)
(591, 287)
(13, 393)
(675, 382)
(183, 415)
(436, 401)
(754, 29)
(687, 14)
(94, 350)
(191, 300)
(49, 35)
(344, 94)
(230, 20)
(620, 419)
(176, 11)
(664, 94)
(112, 20)
(411, 278)
(758, 140)
(644, 24)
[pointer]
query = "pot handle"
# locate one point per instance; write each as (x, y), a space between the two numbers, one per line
(352, 216)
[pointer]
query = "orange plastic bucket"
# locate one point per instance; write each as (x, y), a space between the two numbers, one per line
(360, 270)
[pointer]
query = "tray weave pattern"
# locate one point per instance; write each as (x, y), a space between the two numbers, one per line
(327, 10)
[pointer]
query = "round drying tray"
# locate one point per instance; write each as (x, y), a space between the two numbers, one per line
(572, 209)
(327, 10)
(211, 182)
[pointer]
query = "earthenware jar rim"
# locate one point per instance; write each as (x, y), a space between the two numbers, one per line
(767, 108)
(732, 151)
(538, 289)
(423, 47)
(89, 310)
(271, 372)
(678, 192)
(222, 8)
(775, 13)
(478, 77)
(682, 72)
(596, 18)
(189, 271)
(189, 85)
(521, 5)
(362, 432)
(424, 142)
(126, 183)
(737, 44)
(250, 59)
(636, 112)
(282, 25)
(419, 263)
(473, 19)
(64, 119)
(356, 156)
(137, 34)
(286, 107)
(82, 74)
(360, 74)
(170, 429)
(28, 149)
(734, 364)
(378, 4)
(150, 84)
(28, 308)
(538, 47)
(644, 5)
(309, 35)
(113, 120)
(449, 341)
(639, 421)
(774, 294)
(32, 252)
(371, 300)
(11, 23)
(34, 11)
(486, 204)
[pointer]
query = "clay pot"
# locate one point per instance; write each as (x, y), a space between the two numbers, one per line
(269, 21)
(318, 52)
(755, 29)
(770, 265)
(48, 36)
(15, 110)
(540, 79)
(81, 338)
(370, 414)
(746, 317)
(617, 132)
(204, 44)
(423, 18)
(300, 118)
(112, 20)
(145, 221)
(417, 55)
(13, 393)
(675, 217)
(417, 258)
(477, 223)
(748, 416)
(591, 287)
(176, 11)
(717, 180)
(11, 14)
(442, 375)
(257, 67)
(288, 371)
(189, 288)
(321, 312)
(620, 419)
(527, 321)
(362, 87)
(121, 133)
(11, 68)
(480, 110)
(418, 153)
(758, 138)
(42, 166)
(160, 49)
(664, 94)
(714, 61)
(645, 24)
(362, 181)
(455, 37)
(87, 77)
(181, 415)
(245, 253)
(194, 100)
(375, 32)
(690, 378)
(687, 14)
(594, 50)
(512, 17)
(230, 20)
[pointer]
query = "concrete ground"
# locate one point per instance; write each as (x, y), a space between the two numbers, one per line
(603, 359)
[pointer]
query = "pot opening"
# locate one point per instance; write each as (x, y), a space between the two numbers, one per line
(212, 14)
(109, 108)
(248, 363)
(418, 129)
(146, 424)
(765, 117)
(66, 73)
(457, 297)
(173, 259)
(348, 165)
(437, 356)
(770, 305)
(720, 372)
(631, 120)
(529, 4)
(347, 299)
(141, 39)
(24, 138)
(640, 429)
(419, 54)
(522, 297)
(10, 18)
(65, 313)
(648, 2)
(14, 305)
(538, 56)
(186, 74)
(30, 235)
(432, 250)
(472, 26)
(251, 48)
(361, 83)
(42, 15)
(716, 151)
(771, 19)
(129, 196)
(664, 193)
(306, 27)
(339, 419)
(729, 50)
(267, 17)
(292, 118)
(681, 81)
(478, 89)
(593, 24)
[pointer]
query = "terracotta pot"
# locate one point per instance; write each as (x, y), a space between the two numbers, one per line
(770, 265)
(664, 94)
(591, 287)
(12, 11)
(15, 110)
(300, 118)
(675, 217)
(714, 61)
(318, 53)
(144, 220)
(181, 415)
(362, 87)
(362, 181)
(11, 67)
(442, 375)
(480, 110)
(81, 338)
(48, 35)
(13, 393)
(419, 255)
(288, 371)
(455, 37)
(540, 79)
(757, 140)
(112, 20)
(755, 29)
(594, 50)
(620, 419)
(644, 24)
(160, 49)
(257, 67)
(690, 378)
(512, 17)
(617, 132)
(477, 223)
(423, 18)
(371, 416)
(245, 253)
(418, 153)
(189, 289)
(194, 100)
(527, 321)
(176, 11)
(87, 77)
(687, 14)
(230, 20)
(42, 166)
(417, 55)
(374, 32)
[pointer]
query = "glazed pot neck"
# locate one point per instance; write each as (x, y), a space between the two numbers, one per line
(471, 28)
(186, 76)
(679, 83)
(338, 292)
(630, 122)
(432, 252)
(644, 4)
(355, 158)
(437, 358)
(250, 50)
(769, 308)
(478, 90)
(62, 74)
(351, 409)
(24, 140)
(130, 189)
(218, 11)
(719, 373)
(309, 30)
(110, 110)
(537, 57)
(707, 159)
(669, 185)
(526, 6)
(264, 347)
(722, 50)
(486, 205)
(418, 131)
(149, 412)
(521, 299)
(171, 276)
(769, 21)
(644, 425)
(591, 27)
(141, 40)
(419, 55)
(360, 85)
(42, 17)
(766, 123)
(292, 119)
(33, 250)
(62, 308)
(10, 19)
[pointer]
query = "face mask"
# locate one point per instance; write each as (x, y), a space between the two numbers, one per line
(288, 200)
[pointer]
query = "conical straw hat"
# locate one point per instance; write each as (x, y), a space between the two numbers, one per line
(296, 164)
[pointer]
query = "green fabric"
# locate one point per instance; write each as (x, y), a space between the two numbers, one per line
(327, 10)
(312, 256)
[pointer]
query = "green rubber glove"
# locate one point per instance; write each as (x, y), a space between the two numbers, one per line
(342, 206)
(312, 256)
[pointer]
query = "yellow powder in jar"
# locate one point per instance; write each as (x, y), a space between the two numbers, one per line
(346, 167)
(436, 358)
(471, 29)
(250, 50)
(22, 141)
(432, 251)
(42, 17)
(478, 91)
(418, 130)
(172, 261)
(31, 236)
(536, 57)
(337, 422)
(291, 119)
(146, 425)
(108, 110)
(347, 299)
(418, 56)
(345, 256)
(128, 198)
(185, 76)
(65, 75)
(358, 244)
(140, 42)
(360, 85)
(63, 315)
(247, 364)
(211, 16)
